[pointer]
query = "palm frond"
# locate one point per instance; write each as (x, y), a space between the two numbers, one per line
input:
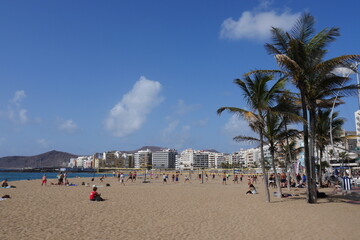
(241, 138)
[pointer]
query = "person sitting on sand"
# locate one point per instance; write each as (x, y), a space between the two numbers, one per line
(252, 190)
(4, 183)
(95, 196)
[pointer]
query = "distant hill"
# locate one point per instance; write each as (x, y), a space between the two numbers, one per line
(48, 159)
(55, 159)
(151, 148)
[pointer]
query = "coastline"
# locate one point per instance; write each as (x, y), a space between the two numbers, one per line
(170, 211)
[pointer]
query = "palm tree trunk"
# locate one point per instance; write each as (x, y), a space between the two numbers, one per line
(320, 168)
(309, 190)
(262, 161)
(279, 193)
(290, 161)
(312, 180)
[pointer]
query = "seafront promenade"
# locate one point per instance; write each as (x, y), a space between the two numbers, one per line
(169, 211)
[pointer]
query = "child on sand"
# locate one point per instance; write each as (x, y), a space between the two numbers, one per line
(95, 196)
(43, 180)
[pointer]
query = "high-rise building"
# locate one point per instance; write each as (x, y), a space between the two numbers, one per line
(186, 160)
(357, 125)
(143, 159)
(201, 160)
(164, 159)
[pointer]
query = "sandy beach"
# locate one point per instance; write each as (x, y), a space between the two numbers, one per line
(170, 211)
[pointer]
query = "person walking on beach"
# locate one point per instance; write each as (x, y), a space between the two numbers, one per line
(173, 177)
(177, 178)
(164, 178)
(134, 176)
(65, 178)
(43, 180)
(130, 177)
(224, 179)
(236, 179)
(122, 179)
(187, 179)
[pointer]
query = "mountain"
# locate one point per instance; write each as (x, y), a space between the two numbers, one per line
(48, 159)
(151, 148)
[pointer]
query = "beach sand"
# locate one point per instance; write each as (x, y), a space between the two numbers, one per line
(170, 211)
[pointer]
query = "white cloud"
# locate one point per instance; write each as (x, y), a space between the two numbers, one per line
(130, 113)
(68, 126)
(342, 71)
(15, 112)
(234, 125)
(256, 25)
(181, 108)
(19, 96)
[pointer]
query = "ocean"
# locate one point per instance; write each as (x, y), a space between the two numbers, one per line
(17, 176)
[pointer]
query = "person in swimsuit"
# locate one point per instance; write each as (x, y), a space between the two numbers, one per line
(43, 180)
(224, 179)
(164, 178)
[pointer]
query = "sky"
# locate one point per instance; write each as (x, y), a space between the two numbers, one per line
(90, 76)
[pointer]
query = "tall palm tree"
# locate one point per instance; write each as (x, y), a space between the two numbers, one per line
(300, 53)
(260, 98)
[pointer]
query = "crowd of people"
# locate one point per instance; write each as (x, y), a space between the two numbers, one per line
(299, 181)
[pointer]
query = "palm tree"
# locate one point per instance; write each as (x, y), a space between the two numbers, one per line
(300, 55)
(323, 135)
(274, 133)
(289, 149)
(260, 98)
(290, 103)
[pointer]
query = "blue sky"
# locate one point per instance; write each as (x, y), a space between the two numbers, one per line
(91, 76)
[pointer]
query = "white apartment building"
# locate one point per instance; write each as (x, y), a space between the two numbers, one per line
(186, 160)
(357, 126)
(252, 157)
(143, 159)
(84, 162)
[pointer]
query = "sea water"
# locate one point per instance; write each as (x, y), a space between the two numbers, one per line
(17, 176)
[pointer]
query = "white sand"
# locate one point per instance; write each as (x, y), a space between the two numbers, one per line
(172, 211)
